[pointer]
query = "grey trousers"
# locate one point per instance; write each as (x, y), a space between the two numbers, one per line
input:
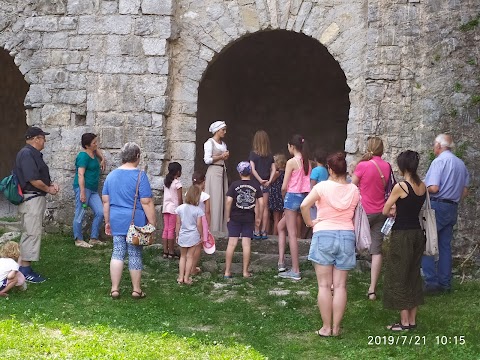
(31, 218)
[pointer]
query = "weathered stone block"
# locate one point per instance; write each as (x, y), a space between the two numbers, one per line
(61, 57)
(128, 6)
(57, 40)
(37, 95)
(158, 65)
(102, 101)
(80, 42)
(79, 7)
(154, 46)
(156, 104)
(157, 120)
(117, 65)
(183, 150)
(41, 23)
(108, 7)
(34, 116)
(250, 18)
(113, 24)
(112, 137)
(155, 7)
(70, 97)
(154, 26)
(67, 23)
(113, 119)
(143, 120)
(150, 86)
(131, 102)
(183, 129)
(55, 115)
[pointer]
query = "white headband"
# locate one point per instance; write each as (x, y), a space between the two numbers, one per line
(217, 125)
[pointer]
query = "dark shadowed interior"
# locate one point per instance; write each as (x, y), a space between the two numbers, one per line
(13, 124)
(279, 81)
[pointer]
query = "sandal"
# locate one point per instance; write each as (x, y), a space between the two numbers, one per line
(196, 271)
(140, 295)
(97, 242)
(398, 327)
(321, 335)
(372, 294)
(165, 255)
(113, 292)
(83, 244)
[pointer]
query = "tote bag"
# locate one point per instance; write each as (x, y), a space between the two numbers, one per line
(428, 223)
(363, 238)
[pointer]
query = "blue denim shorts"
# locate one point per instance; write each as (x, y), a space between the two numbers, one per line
(293, 201)
(333, 247)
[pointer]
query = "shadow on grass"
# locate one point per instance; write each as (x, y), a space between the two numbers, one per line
(225, 314)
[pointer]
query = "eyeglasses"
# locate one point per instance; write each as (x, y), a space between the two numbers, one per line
(40, 137)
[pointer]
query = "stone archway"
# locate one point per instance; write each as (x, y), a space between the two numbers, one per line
(12, 111)
(280, 81)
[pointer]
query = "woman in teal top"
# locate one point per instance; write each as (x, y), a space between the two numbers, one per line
(88, 164)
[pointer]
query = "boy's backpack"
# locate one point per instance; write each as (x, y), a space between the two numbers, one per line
(11, 189)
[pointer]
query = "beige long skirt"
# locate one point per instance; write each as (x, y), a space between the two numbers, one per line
(213, 187)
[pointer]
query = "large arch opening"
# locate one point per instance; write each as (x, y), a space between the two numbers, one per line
(12, 112)
(280, 81)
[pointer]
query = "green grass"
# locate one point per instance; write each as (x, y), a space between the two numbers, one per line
(71, 316)
(9, 219)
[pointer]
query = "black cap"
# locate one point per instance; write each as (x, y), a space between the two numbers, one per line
(33, 131)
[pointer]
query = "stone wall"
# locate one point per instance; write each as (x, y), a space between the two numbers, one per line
(131, 69)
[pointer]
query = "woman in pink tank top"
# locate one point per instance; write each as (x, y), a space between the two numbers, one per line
(295, 187)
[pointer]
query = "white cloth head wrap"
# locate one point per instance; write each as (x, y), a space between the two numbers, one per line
(217, 125)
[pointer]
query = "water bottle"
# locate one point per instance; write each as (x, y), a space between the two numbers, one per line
(387, 225)
(79, 217)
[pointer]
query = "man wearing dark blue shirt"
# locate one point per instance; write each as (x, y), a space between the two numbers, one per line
(34, 179)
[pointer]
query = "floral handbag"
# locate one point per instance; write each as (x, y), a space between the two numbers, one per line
(139, 235)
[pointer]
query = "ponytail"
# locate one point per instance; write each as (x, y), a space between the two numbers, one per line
(300, 144)
(374, 148)
(174, 169)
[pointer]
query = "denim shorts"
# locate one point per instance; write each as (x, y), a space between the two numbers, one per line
(293, 201)
(243, 229)
(333, 247)
(265, 189)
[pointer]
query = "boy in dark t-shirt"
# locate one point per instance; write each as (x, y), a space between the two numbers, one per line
(242, 197)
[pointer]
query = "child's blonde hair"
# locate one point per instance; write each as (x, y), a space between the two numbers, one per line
(192, 196)
(261, 143)
(280, 161)
(10, 250)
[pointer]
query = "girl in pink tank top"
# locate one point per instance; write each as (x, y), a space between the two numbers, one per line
(295, 187)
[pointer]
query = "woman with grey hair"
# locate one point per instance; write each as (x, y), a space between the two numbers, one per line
(216, 184)
(118, 202)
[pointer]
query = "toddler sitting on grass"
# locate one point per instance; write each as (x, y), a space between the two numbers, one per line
(9, 274)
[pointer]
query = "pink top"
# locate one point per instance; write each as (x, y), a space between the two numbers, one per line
(336, 205)
(371, 185)
(299, 182)
(170, 197)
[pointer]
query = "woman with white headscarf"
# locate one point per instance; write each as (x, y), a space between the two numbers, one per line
(216, 185)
